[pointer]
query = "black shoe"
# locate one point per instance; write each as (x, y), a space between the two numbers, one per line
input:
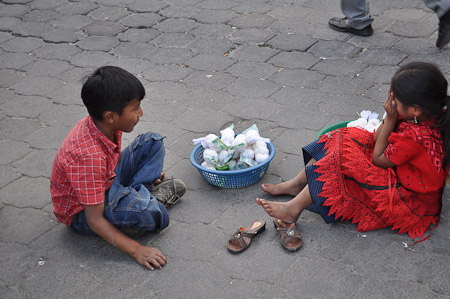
(444, 31)
(343, 25)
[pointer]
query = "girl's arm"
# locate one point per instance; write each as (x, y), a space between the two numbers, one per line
(377, 132)
(383, 133)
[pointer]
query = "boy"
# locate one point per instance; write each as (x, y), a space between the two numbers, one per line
(95, 188)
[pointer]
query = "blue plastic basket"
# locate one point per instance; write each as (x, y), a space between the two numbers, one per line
(231, 178)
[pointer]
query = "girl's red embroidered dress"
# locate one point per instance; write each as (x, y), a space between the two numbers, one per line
(346, 185)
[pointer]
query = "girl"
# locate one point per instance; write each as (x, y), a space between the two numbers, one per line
(393, 178)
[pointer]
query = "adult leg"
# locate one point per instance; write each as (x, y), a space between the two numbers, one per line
(442, 10)
(287, 211)
(357, 18)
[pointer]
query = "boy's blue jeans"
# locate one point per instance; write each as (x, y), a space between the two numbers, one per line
(129, 203)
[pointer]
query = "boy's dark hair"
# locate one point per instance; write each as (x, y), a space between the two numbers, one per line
(423, 84)
(110, 88)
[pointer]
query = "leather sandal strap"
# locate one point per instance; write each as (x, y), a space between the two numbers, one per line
(238, 235)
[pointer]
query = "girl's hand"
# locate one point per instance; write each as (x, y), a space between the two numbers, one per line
(391, 106)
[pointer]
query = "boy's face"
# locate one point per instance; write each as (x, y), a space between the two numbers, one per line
(130, 116)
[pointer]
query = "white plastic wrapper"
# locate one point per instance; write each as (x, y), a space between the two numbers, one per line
(260, 147)
(211, 156)
(253, 136)
(240, 143)
(248, 154)
(260, 158)
(227, 135)
(208, 165)
(368, 120)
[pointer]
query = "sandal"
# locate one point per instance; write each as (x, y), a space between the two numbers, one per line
(291, 239)
(242, 238)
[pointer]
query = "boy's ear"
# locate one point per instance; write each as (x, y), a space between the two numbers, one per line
(109, 117)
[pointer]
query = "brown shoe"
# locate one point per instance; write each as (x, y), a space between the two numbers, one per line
(169, 191)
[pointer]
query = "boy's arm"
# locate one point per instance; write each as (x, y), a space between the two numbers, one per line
(144, 255)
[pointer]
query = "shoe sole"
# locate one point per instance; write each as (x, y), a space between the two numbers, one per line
(352, 31)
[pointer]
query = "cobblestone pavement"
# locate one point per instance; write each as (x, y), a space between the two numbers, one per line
(205, 64)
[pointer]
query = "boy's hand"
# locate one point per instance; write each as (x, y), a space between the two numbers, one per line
(148, 256)
(161, 178)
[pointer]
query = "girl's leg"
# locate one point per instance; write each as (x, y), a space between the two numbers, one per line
(287, 211)
(292, 187)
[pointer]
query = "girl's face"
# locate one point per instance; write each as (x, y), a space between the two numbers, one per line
(406, 114)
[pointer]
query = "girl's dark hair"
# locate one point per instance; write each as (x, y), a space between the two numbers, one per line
(110, 88)
(423, 84)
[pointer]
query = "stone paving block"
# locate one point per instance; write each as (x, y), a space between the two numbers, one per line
(77, 8)
(252, 20)
(170, 55)
(411, 29)
(72, 22)
(138, 35)
(252, 88)
(98, 43)
(63, 36)
(17, 129)
(210, 62)
(299, 77)
(10, 77)
(145, 6)
(75, 75)
(247, 8)
(290, 42)
(173, 40)
(38, 163)
(252, 70)
(208, 80)
(179, 11)
(258, 289)
(440, 59)
(7, 175)
(68, 94)
(218, 46)
(211, 4)
(333, 49)
(339, 67)
(15, 261)
(91, 59)
(141, 20)
(298, 118)
(253, 53)
(381, 288)
(378, 40)
(39, 86)
(213, 16)
(214, 31)
(208, 97)
(6, 95)
(166, 73)
(22, 44)
(109, 13)
(32, 29)
(119, 3)
(13, 150)
(252, 108)
(26, 106)
(294, 60)
(48, 137)
(417, 46)
(16, 1)
(251, 36)
(23, 225)
(5, 36)
(63, 115)
(13, 10)
(133, 50)
(107, 28)
(378, 74)
(27, 193)
(190, 120)
(6, 23)
(344, 85)
(132, 66)
(176, 25)
(44, 67)
(381, 57)
(57, 51)
(182, 2)
(166, 93)
(43, 16)
(47, 4)
(290, 11)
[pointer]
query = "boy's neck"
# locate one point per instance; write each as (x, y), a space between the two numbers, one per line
(106, 129)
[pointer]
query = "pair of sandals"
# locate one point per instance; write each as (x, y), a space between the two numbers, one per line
(290, 237)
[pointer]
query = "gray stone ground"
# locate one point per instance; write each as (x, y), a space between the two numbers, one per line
(205, 64)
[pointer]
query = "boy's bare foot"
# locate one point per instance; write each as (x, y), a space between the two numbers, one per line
(283, 188)
(284, 211)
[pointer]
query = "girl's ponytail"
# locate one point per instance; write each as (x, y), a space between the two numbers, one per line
(444, 126)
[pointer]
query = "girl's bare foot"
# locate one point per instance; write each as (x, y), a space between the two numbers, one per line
(284, 211)
(288, 188)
